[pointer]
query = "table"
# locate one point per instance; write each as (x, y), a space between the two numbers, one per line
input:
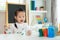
(19, 37)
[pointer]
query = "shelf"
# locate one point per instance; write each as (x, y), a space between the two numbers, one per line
(38, 11)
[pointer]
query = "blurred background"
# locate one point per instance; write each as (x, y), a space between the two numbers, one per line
(52, 7)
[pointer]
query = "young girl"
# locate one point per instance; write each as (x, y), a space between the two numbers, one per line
(19, 27)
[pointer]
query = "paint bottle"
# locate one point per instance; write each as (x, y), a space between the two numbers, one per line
(45, 32)
(40, 33)
(33, 5)
(51, 31)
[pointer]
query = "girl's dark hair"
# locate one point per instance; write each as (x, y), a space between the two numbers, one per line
(18, 10)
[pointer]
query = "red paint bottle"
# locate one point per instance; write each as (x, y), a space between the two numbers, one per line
(45, 32)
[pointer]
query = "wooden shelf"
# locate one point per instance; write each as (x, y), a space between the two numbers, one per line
(37, 12)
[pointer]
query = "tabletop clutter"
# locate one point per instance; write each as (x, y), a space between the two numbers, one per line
(48, 32)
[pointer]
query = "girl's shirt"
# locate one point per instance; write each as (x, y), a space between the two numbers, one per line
(21, 29)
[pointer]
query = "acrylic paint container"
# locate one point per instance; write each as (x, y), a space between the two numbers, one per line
(51, 31)
(45, 32)
(32, 5)
(40, 33)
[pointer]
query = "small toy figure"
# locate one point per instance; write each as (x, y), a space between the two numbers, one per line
(41, 8)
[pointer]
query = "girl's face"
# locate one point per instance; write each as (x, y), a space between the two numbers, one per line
(20, 18)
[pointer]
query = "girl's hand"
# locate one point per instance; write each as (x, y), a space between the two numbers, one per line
(6, 27)
(28, 33)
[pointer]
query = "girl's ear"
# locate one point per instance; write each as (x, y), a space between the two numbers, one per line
(15, 17)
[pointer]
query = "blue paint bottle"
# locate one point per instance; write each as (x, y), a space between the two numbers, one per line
(51, 31)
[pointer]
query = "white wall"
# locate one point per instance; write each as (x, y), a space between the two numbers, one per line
(2, 4)
(2, 21)
(58, 12)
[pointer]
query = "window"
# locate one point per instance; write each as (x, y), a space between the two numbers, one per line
(13, 1)
(2, 4)
(58, 10)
